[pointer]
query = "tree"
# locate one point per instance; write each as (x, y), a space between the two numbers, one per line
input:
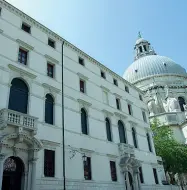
(173, 153)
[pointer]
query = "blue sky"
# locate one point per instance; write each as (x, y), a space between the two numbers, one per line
(107, 29)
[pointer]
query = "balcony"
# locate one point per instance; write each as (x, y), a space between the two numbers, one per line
(171, 118)
(125, 149)
(17, 119)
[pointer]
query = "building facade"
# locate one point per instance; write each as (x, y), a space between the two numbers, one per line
(108, 140)
(164, 85)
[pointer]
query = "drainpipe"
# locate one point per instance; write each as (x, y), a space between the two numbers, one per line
(63, 129)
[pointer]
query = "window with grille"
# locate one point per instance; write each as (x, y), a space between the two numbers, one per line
(87, 169)
(49, 163)
(82, 86)
(141, 175)
(50, 70)
(51, 43)
(130, 109)
(22, 56)
(113, 171)
(155, 176)
(118, 106)
(26, 28)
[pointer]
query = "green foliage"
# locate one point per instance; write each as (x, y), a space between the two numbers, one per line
(173, 153)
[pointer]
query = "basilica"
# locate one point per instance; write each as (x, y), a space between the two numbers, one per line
(67, 122)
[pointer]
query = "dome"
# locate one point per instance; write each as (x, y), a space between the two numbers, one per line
(152, 65)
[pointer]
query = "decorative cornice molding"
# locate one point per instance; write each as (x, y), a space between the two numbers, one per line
(128, 101)
(120, 115)
(107, 112)
(50, 143)
(24, 45)
(21, 71)
(84, 102)
(86, 150)
(112, 156)
(1, 31)
(133, 122)
(82, 76)
(52, 88)
(117, 95)
(105, 89)
(51, 59)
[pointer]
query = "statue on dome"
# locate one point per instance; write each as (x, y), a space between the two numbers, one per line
(170, 104)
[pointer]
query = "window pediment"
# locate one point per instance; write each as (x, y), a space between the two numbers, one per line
(22, 71)
(51, 88)
(117, 95)
(25, 45)
(120, 115)
(105, 89)
(84, 103)
(51, 59)
(107, 112)
(82, 76)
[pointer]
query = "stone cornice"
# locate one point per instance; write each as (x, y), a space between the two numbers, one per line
(117, 95)
(86, 150)
(52, 88)
(120, 115)
(50, 143)
(82, 76)
(24, 45)
(133, 122)
(107, 112)
(105, 89)
(84, 102)
(51, 59)
(21, 71)
(55, 36)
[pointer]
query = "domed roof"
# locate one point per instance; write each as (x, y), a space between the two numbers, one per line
(140, 40)
(152, 65)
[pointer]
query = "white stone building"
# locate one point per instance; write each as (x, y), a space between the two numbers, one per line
(108, 141)
(164, 84)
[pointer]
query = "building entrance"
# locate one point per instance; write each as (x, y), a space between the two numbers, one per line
(12, 173)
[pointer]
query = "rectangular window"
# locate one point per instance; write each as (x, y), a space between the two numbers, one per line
(0, 11)
(82, 86)
(130, 109)
(87, 169)
(103, 75)
(118, 104)
(22, 56)
(50, 70)
(140, 97)
(81, 61)
(140, 49)
(113, 171)
(49, 163)
(144, 116)
(51, 43)
(141, 175)
(115, 82)
(127, 89)
(155, 176)
(105, 97)
(26, 28)
(145, 48)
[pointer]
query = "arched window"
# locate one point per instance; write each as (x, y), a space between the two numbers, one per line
(84, 121)
(134, 137)
(181, 103)
(18, 98)
(108, 130)
(49, 110)
(149, 142)
(122, 136)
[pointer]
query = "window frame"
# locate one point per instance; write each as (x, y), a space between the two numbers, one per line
(53, 66)
(103, 74)
(149, 142)
(140, 97)
(86, 129)
(1, 11)
(53, 111)
(84, 86)
(155, 174)
(90, 168)
(81, 61)
(24, 24)
(130, 112)
(53, 163)
(115, 82)
(23, 50)
(125, 132)
(118, 103)
(141, 176)
(53, 41)
(115, 178)
(126, 89)
(108, 132)
(144, 116)
(134, 137)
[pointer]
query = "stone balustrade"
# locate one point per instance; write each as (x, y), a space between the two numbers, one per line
(14, 118)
